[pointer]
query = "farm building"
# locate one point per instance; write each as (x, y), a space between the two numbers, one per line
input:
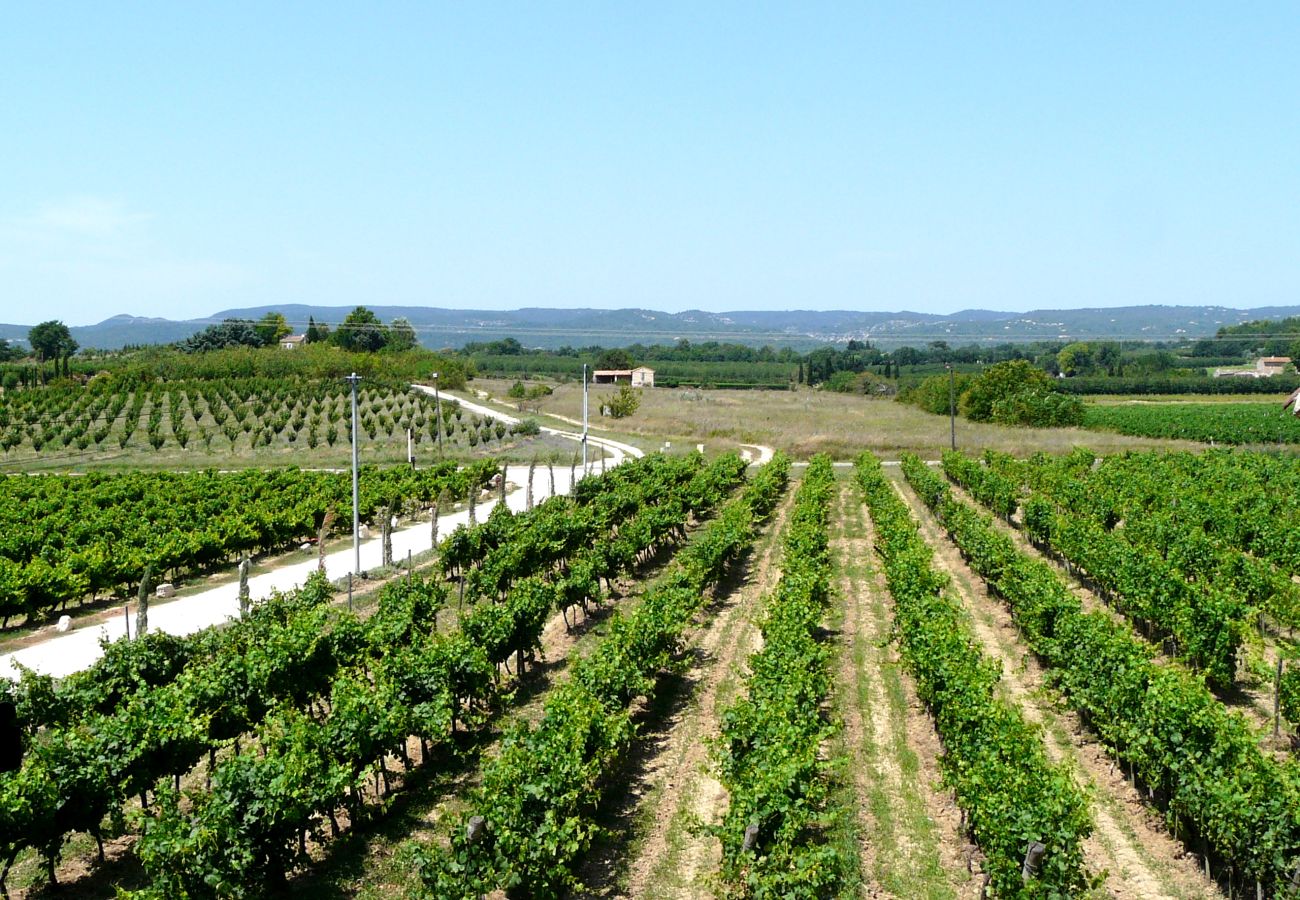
(641, 376)
(1265, 367)
(292, 341)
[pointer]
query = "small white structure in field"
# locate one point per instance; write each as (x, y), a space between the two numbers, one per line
(641, 376)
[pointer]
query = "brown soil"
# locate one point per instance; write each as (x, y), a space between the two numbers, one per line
(670, 788)
(1130, 848)
(915, 833)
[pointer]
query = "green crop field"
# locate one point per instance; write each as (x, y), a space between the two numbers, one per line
(1219, 423)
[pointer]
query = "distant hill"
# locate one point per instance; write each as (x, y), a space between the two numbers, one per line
(803, 329)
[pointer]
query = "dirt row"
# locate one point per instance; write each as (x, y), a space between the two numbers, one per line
(659, 849)
(910, 829)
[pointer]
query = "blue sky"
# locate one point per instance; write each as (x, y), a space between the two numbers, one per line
(176, 159)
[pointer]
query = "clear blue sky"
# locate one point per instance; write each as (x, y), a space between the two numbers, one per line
(177, 158)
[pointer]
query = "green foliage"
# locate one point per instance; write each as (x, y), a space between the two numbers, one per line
(228, 333)
(65, 537)
(933, 394)
(1038, 409)
(538, 796)
(769, 754)
(867, 383)
(1220, 423)
(615, 358)
(271, 327)
(326, 697)
(1201, 760)
(625, 402)
(51, 340)
(1290, 694)
(361, 331)
(993, 760)
(1002, 382)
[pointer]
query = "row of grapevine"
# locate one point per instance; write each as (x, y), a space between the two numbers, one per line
(993, 760)
(1221, 423)
(1167, 576)
(237, 678)
(492, 554)
(769, 758)
(534, 809)
(70, 538)
(1217, 517)
(82, 766)
(1200, 762)
(181, 859)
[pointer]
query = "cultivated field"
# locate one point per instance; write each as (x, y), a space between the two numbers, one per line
(1010, 675)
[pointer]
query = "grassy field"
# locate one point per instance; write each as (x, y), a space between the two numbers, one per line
(806, 421)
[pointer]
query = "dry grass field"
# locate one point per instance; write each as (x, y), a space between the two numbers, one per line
(805, 422)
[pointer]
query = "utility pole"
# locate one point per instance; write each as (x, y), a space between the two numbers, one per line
(584, 422)
(952, 404)
(353, 379)
(437, 411)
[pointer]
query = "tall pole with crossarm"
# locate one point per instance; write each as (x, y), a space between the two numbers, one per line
(353, 379)
(584, 420)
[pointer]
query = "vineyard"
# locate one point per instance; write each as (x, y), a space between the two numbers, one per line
(1012, 677)
(1211, 423)
(195, 422)
(71, 539)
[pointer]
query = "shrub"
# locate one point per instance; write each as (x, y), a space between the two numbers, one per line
(1039, 409)
(1001, 382)
(931, 394)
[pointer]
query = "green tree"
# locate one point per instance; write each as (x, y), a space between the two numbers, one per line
(1107, 356)
(228, 333)
(362, 331)
(271, 327)
(52, 340)
(401, 335)
(315, 334)
(617, 358)
(625, 402)
(1001, 382)
(1075, 359)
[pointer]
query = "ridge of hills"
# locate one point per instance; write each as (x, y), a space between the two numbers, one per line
(801, 329)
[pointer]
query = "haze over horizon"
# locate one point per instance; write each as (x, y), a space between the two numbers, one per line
(175, 161)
